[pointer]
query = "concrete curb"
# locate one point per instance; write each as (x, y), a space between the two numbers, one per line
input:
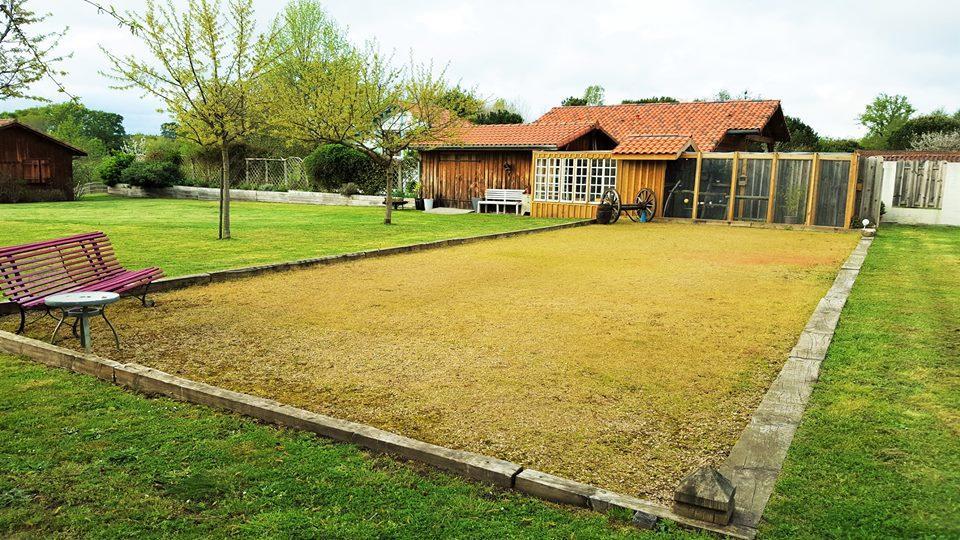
(755, 461)
(490, 470)
(182, 282)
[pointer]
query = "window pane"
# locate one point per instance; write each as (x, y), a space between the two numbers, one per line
(793, 180)
(715, 176)
(832, 193)
(753, 189)
(681, 176)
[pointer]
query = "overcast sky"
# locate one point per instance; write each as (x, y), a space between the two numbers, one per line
(824, 60)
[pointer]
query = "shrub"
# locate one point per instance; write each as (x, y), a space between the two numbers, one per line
(937, 141)
(902, 138)
(152, 174)
(349, 189)
(828, 144)
(163, 149)
(112, 167)
(333, 165)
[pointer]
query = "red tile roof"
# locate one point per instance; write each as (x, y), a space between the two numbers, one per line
(903, 155)
(549, 136)
(705, 122)
(654, 145)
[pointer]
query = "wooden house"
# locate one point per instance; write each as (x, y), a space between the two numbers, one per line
(703, 160)
(33, 165)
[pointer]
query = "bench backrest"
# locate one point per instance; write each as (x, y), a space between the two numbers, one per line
(511, 195)
(41, 269)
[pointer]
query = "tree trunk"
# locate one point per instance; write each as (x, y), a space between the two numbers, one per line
(387, 219)
(225, 192)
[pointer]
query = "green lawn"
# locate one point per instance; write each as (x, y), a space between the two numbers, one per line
(180, 235)
(878, 452)
(82, 458)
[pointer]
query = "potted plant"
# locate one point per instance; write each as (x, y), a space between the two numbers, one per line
(428, 203)
(418, 198)
(793, 201)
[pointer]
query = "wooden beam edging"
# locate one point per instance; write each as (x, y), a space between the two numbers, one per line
(477, 467)
(756, 459)
(182, 282)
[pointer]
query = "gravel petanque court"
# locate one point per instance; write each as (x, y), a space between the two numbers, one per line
(621, 356)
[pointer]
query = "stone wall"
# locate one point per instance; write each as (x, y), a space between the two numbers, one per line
(213, 194)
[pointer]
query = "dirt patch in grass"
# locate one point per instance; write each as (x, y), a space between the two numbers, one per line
(621, 356)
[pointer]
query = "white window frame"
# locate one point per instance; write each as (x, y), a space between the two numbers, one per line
(573, 180)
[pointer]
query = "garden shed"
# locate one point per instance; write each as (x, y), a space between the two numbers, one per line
(703, 160)
(33, 165)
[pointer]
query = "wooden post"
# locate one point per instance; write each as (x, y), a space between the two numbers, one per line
(734, 177)
(851, 191)
(775, 161)
(812, 191)
(696, 187)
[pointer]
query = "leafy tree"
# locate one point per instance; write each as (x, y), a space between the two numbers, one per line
(204, 64)
(803, 138)
(169, 130)
(725, 95)
(357, 97)
(884, 116)
(655, 99)
(903, 137)
(26, 56)
(499, 116)
(593, 95)
(107, 127)
(463, 102)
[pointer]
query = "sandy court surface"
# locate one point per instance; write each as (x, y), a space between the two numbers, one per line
(621, 355)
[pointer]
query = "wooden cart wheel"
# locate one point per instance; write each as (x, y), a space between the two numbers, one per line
(612, 197)
(646, 205)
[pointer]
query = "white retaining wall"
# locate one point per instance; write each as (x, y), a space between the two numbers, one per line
(213, 194)
(949, 212)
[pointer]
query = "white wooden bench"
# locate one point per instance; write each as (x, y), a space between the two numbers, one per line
(502, 197)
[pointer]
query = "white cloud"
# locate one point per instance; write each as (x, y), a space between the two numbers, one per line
(825, 61)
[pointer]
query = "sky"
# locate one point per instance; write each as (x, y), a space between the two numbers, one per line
(824, 60)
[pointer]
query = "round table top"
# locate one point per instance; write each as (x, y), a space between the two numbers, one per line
(81, 299)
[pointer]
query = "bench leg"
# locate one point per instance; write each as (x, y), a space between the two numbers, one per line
(23, 319)
(143, 298)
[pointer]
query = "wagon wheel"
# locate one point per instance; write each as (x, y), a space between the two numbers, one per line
(612, 197)
(646, 206)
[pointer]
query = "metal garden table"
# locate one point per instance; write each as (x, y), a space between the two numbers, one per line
(82, 306)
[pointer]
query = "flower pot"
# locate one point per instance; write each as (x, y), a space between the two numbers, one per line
(791, 220)
(428, 204)
(418, 203)
(475, 203)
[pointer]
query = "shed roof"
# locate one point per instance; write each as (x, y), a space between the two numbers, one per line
(545, 136)
(7, 123)
(705, 122)
(654, 145)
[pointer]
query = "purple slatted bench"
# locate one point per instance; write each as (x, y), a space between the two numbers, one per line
(29, 273)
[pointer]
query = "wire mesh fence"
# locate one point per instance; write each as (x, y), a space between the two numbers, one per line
(275, 174)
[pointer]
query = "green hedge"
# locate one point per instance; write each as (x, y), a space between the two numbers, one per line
(332, 165)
